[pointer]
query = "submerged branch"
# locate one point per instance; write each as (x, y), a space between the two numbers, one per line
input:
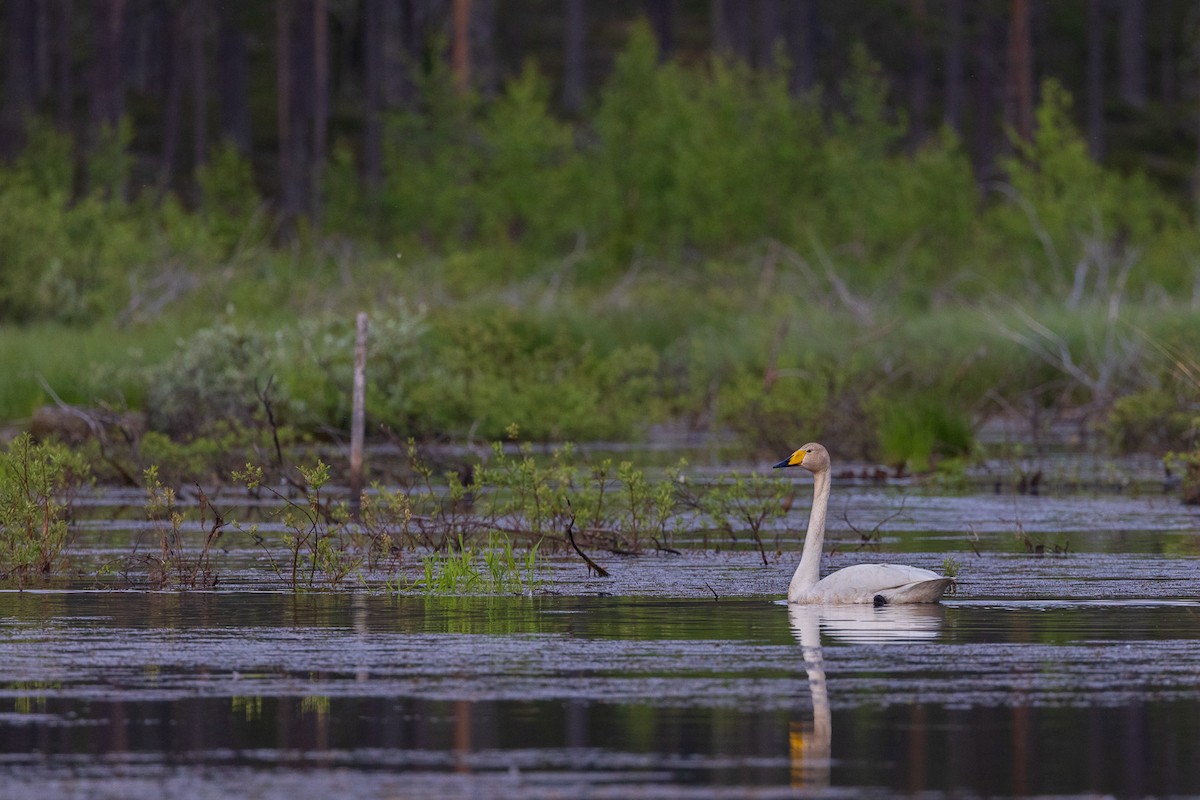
(593, 567)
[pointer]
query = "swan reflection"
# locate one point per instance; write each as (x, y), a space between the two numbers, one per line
(810, 741)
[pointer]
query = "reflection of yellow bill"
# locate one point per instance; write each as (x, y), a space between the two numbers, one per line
(796, 734)
(809, 751)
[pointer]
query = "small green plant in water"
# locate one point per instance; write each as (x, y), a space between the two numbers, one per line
(493, 569)
(35, 482)
(319, 540)
(172, 562)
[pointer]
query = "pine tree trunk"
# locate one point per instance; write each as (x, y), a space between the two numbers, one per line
(985, 101)
(803, 26)
(731, 28)
(485, 72)
(574, 54)
(107, 87)
(20, 73)
(64, 73)
(1131, 58)
(770, 32)
(197, 28)
(955, 82)
(1019, 105)
(233, 75)
(1095, 78)
(318, 69)
(172, 38)
(375, 37)
(921, 75)
(662, 19)
(460, 47)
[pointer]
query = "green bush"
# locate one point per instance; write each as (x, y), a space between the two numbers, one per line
(214, 376)
(1151, 421)
(480, 372)
(33, 526)
(1072, 222)
(232, 207)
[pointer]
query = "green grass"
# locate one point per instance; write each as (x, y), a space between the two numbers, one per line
(606, 361)
(91, 365)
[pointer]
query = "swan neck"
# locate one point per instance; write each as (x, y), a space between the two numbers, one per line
(809, 571)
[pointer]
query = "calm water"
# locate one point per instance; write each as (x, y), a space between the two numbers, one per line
(677, 677)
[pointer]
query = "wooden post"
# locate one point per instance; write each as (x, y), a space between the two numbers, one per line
(358, 415)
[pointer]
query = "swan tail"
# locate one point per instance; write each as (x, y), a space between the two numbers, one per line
(929, 591)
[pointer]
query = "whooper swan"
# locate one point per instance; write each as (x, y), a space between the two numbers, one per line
(860, 583)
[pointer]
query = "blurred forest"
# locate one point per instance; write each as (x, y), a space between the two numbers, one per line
(883, 222)
(287, 83)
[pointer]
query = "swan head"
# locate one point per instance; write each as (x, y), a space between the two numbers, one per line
(812, 457)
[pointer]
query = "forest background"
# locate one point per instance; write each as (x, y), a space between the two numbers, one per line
(880, 224)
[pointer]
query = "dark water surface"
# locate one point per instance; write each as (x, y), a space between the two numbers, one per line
(680, 676)
(138, 695)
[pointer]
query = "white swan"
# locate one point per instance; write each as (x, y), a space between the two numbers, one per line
(861, 583)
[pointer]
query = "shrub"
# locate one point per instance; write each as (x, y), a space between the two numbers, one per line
(215, 375)
(1074, 222)
(231, 204)
(33, 527)
(1152, 420)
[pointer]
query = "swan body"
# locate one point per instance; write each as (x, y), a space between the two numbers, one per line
(878, 584)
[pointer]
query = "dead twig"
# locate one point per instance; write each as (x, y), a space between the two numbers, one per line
(592, 566)
(872, 537)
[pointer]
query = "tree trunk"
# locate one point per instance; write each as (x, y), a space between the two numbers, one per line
(20, 73)
(319, 44)
(64, 73)
(460, 47)
(731, 28)
(575, 28)
(172, 36)
(43, 33)
(486, 73)
(770, 32)
(197, 28)
(375, 38)
(1170, 61)
(985, 102)
(233, 78)
(955, 84)
(1131, 58)
(302, 54)
(107, 88)
(1019, 105)
(1095, 78)
(402, 46)
(921, 74)
(294, 41)
(803, 24)
(662, 19)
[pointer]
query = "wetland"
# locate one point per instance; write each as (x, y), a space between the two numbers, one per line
(1068, 671)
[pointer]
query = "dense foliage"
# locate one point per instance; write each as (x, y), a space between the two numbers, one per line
(703, 247)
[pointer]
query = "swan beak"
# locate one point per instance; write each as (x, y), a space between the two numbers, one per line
(796, 459)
